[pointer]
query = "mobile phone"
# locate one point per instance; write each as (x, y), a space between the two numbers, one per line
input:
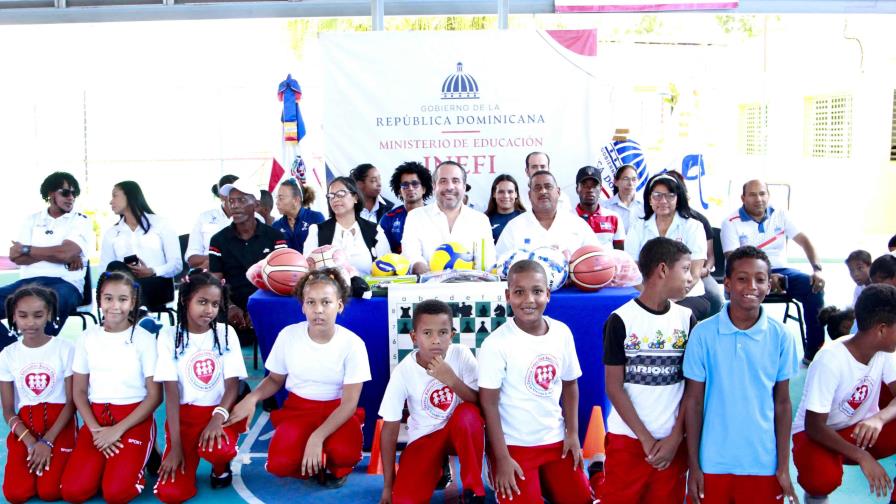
(132, 260)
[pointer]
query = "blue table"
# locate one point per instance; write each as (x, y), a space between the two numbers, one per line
(583, 312)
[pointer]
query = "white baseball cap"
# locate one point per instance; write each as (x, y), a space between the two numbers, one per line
(242, 186)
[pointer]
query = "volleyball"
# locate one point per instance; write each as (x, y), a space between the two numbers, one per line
(590, 268)
(390, 264)
(283, 269)
(451, 256)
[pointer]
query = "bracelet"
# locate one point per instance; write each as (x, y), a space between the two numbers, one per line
(221, 411)
(9, 421)
(14, 425)
(25, 433)
(44, 441)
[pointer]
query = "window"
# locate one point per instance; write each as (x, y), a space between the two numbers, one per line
(829, 126)
(753, 129)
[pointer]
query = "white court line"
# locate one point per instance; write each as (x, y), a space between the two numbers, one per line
(238, 483)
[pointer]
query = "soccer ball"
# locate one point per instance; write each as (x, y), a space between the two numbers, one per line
(552, 260)
(451, 256)
(507, 259)
(390, 265)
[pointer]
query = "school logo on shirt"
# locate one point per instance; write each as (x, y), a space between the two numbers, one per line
(204, 371)
(37, 378)
(438, 400)
(542, 375)
(860, 393)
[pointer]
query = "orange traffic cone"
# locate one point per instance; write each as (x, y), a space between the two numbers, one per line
(375, 466)
(594, 436)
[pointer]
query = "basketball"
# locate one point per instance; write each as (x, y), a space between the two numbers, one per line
(327, 256)
(590, 268)
(390, 265)
(451, 256)
(282, 270)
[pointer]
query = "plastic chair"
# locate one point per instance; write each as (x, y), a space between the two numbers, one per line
(85, 309)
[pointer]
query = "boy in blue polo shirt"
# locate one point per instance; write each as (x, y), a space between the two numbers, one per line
(738, 364)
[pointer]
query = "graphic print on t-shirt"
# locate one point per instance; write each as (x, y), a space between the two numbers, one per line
(657, 364)
(37, 377)
(438, 400)
(542, 375)
(860, 393)
(204, 370)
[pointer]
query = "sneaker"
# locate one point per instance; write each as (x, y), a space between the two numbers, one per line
(332, 482)
(445, 480)
(469, 497)
(223, 480)
(808, 499)
(269, 404)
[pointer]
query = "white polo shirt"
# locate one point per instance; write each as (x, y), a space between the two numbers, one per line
(38, 374)
(42, 230)
(568, 232)
(209, 222)
(427, 227)
(118, 363)
(159, 247)
(770, 234)
(352, 243)
(628, 213)
(529, 371)
(430, 402)
(687, 231)
(201, 370)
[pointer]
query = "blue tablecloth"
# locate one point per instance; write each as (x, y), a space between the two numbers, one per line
(583, 312)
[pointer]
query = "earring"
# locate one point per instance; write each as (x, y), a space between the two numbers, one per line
(56, 323)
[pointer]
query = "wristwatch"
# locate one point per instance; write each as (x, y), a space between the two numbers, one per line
(816, 267)
(26, 250)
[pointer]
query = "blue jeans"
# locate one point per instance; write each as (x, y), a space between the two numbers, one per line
(68, 299)
(799, 286)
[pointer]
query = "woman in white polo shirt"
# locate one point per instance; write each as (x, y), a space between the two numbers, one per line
(666, 214)
(144, 243)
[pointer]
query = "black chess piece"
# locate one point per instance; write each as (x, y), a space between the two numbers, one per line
(454, 310)
(405, 312)
(483, 331)
(483, 311)
(468, 326)
(500, 311)
(466, 310)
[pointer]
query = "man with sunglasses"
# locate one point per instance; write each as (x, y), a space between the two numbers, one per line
(52, 251)
(412, 183)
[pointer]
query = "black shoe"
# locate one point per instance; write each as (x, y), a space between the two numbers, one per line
(154, 462)
(269, 404)
(332, 482)
(596, 467)
(222, 481)
(470, 498)
(445, 480)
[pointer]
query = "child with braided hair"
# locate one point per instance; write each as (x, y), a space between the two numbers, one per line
(36, 393)
(323, 366)
(115, 394)
(200, 367)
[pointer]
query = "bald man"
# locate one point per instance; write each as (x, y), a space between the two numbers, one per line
(540, 161)
(758, 224)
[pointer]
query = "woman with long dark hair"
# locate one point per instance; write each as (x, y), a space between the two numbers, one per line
(361, 240)
(143, 244)
(504, 203)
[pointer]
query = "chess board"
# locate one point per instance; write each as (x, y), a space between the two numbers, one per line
(479, 308)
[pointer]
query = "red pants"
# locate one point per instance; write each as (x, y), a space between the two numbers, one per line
(193, 420)
(121, 476)
(293, 425)
(421, 461)
(18, 484)
(820, 471)
(629, 478)
(547, 475)
(735, 489)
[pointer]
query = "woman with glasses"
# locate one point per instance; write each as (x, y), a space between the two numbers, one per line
(362, 241)
(412, 183)
(625, 201)
(666, 214)
(142, 244)
(504, 204)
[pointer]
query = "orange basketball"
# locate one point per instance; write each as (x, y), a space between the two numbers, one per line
(282, 270)
(590, 268)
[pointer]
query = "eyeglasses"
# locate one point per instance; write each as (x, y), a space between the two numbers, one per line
(66, 193)
(633, 180)
(342, 193)
(660, 196)
(407, 185)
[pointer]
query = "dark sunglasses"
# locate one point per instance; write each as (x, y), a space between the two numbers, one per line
(66, 193)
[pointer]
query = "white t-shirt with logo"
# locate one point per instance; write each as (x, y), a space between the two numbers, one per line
(318, 371)
(38, 373)
(740, 229)
(430, 401)
(201, 370)
(842, 387)
(118, 364)
(528, 370)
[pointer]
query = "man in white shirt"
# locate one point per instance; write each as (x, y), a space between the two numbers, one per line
(545, 225)
(756, 223)
(540, 161)
(52, 250)
(448, 220)
(370, 186)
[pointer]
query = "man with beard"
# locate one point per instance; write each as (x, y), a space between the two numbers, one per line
(412, 183)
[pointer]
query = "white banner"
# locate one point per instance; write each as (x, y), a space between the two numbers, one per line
(484, 99)
(640, 5)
